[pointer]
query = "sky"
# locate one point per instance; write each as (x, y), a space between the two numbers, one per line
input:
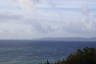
(33, 19)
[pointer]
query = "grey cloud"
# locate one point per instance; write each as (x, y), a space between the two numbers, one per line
(5, 17)
(62, 23)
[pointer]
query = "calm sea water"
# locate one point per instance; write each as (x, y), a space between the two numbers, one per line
(34, 52)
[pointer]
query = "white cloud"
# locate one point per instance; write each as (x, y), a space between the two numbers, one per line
(62, 18)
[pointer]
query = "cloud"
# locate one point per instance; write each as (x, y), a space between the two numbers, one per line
(47, 19)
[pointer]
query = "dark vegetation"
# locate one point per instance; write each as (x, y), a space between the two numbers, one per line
(81, 56)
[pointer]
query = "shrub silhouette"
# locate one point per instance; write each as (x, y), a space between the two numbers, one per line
(83, 56)
(47, 62)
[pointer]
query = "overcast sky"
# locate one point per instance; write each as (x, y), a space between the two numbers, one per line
(30, 19)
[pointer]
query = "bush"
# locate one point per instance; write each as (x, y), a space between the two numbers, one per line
(84, 56)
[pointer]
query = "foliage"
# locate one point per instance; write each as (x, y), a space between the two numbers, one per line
(83, 56)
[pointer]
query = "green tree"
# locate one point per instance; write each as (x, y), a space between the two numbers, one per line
(81, 56)
(85, 56)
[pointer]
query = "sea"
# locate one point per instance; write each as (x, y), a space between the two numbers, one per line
(38, 51)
